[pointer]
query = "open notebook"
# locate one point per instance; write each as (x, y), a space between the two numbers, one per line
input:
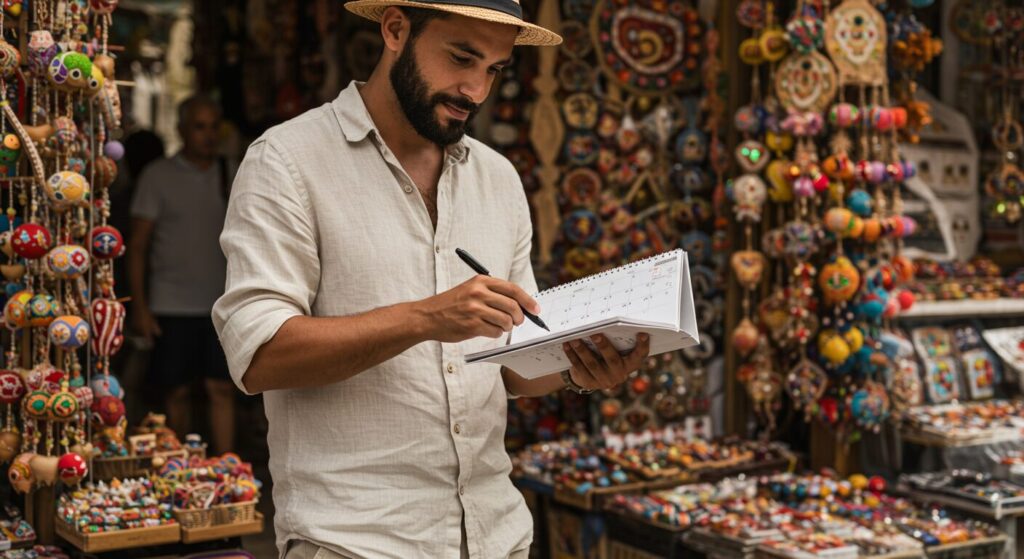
(651, 295)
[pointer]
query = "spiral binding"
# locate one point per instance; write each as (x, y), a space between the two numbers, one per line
(592, 277)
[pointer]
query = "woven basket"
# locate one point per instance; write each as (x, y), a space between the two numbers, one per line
(121, 467)
(236, 513)
(194, 518)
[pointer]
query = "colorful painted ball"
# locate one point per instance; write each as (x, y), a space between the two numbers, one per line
(745, 337)
(68, 261)
(859, 202)
(35, 404)
(63, 406)
(42, 310)
(872, 303)
(839, 280)
(72, 468)
(839, 221)
(107, 243)
(69, 332)
(107, 385)
(12, 388)
(16, 310)
(114, 150)
(10, 58)
(747, 119)
(66, 189)
(833, 347)
(108, 410)
(805, 33)
(31, 240)
(906, 299)
(854, 338)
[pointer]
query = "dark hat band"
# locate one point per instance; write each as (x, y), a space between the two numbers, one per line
(504, 6)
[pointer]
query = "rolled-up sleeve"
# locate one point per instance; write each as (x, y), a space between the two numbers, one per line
(270, 242)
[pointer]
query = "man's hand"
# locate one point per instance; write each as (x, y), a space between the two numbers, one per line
(482, 306)
(605, 368)
(145, 324)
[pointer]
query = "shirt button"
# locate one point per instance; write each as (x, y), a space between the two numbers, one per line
(451, 368)
(437, 249)
(408, 189)
(458, 428)
(462, 490)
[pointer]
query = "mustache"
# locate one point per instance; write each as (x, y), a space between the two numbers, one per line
(458, 102)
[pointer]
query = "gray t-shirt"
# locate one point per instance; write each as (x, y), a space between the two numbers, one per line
(186, 264)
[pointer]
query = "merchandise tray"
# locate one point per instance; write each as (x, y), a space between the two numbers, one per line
(121, 539)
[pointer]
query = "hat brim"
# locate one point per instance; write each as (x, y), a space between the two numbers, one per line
(529, 34)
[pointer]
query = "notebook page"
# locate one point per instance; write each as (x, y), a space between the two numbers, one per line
(647, 290)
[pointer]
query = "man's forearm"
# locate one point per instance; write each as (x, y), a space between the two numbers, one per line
(309, 352)
(542, 386)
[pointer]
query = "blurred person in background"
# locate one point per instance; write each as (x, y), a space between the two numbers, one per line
(176, 270)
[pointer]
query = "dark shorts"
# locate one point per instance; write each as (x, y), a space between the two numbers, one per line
(187, 350)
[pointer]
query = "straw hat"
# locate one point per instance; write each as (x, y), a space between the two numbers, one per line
(508, 12)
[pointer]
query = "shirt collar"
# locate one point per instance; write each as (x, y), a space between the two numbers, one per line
(356, 123)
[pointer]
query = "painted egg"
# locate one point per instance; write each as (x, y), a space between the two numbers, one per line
(105, 170)
(107, 319)
(16, 310)
(108, 411)
(107, 385)
(114, 150)
(69, 331)
(66, 189)
(839, 280)
(10, 443)
(41, 50)
(872, 229)
(745, 337)
(42, 309)
(68, 261)
(839, 221)
(63, 406)
(12, 388)
(72, 468)
(35, 404)
(854, 338)
(85, 397)
(20, 474)
(107, 243)
(859, 202)
(10, 58)
(31, 240)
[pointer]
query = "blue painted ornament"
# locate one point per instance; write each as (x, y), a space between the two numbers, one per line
(859, 202)
(107, 385)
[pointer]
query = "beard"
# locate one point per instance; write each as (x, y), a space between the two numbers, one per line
(419, 104)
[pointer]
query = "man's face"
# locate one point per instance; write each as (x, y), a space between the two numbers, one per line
(201, 131)
(443, 75)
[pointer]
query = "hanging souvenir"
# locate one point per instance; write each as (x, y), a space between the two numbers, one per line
(805, 82)
(648, 47)
(855, 38)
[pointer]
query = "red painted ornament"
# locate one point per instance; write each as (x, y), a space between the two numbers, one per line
(31, 240)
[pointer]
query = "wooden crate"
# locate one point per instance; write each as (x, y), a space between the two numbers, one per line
(121, 539)
(594, 499)
(976, 549)
(223, 531)
(637, 537)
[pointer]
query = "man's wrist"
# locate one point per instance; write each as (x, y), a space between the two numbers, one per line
(570, 384)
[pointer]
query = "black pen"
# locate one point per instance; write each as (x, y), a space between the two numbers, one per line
(478, 268)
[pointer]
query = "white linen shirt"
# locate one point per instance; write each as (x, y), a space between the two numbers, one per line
(323, 221)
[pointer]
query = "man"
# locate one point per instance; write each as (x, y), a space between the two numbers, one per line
(177, 216)
(347, 306)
